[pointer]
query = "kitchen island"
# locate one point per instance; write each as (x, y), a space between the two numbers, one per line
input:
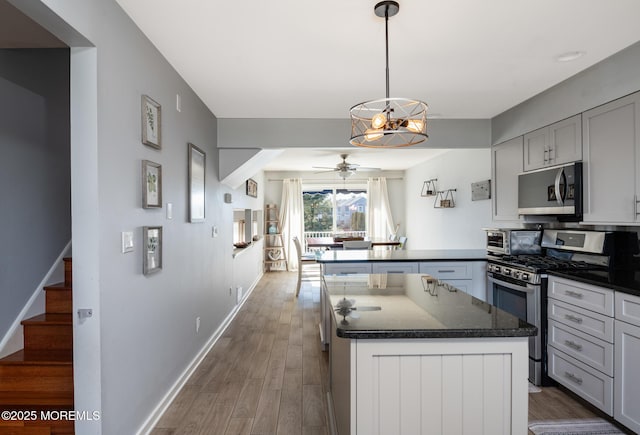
(412, 354)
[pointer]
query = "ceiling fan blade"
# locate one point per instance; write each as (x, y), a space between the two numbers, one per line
(367, 308)
(323, 167)
(364, 168)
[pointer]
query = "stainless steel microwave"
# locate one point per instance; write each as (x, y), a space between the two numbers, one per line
(552, 191)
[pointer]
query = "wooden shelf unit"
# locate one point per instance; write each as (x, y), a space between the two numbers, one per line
(275, 257)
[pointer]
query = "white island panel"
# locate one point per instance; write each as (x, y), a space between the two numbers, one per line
(460, 386)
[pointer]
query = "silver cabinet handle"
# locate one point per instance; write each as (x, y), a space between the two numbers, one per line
(573, 294)
(573, 345)
(550, 157)
(544, 156)
(572, 318)
(635, 204)
(573, 377)
(446, 271)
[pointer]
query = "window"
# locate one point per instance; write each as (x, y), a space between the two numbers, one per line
(334, 210)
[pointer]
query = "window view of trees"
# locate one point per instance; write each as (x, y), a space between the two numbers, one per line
(335, 210)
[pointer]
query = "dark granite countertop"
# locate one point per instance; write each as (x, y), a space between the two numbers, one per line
(626, 281)
(412, 306)
(366, 256)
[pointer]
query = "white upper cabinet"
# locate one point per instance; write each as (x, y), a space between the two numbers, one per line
(553, 145)
(506, 164)
(611, 148)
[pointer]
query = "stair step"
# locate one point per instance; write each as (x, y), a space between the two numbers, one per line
(25, 430)
(48, 332)
(47, 422)
(27, 378)
(68, 268)
(59, 299)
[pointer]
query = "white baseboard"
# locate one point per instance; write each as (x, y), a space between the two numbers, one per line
(13, 339)
(168, 398)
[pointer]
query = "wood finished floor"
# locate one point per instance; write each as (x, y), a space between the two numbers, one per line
(268, 375)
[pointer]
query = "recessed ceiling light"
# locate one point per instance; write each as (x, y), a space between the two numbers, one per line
(569, 56)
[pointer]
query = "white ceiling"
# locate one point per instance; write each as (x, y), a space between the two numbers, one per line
(315, 59)
(299, 159)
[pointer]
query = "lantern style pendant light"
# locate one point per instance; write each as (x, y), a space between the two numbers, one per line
(388, 122)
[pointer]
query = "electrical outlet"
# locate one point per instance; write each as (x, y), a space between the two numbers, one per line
(238, 294)
(214, 231)
(197, 324)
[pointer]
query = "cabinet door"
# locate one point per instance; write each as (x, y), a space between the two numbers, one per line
(506, 164)
(565, 141)
(611, 143)
(536, 149)
(626, 375)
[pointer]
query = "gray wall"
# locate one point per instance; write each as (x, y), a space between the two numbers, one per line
(335, 133)
(35, 178)
(614, 77)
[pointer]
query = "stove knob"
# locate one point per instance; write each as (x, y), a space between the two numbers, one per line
(525, 277)
(506, 271)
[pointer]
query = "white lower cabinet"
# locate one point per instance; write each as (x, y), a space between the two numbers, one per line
(395, 267)
(590, 384)
(627, 359)
(429, 386)
(468, 276)
(580, 339)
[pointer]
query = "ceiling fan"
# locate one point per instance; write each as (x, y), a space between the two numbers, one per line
(345, 169)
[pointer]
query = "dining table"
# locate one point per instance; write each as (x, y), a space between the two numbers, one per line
(331, 243)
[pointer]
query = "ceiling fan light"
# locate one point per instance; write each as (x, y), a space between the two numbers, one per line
(346, 174)
(379, 120)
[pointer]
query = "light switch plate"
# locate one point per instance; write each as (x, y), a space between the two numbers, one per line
(214, 231)
(127, 241)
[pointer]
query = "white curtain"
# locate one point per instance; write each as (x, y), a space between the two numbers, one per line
(292, 218)
(379, 219)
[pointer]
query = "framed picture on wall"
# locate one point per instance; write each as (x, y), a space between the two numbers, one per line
(151, 184)
(151, 122)
(252, 188)
(152, 249)
(197, 166)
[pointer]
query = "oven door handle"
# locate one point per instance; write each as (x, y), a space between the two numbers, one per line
(528, 288)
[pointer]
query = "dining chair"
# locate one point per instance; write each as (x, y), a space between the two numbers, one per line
(356, 244)
(304, 261)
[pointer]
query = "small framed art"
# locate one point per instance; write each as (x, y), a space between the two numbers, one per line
(152, 249)
(151, 122)
(151, 184)
(197, 168)
(252, 188)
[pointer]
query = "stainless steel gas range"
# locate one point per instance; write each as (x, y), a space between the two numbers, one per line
(518, 283)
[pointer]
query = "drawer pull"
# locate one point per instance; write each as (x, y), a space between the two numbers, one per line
(394, 271)
(446, 271)
(572, 318)
(573, 345)
(573, 377)
(573, 294)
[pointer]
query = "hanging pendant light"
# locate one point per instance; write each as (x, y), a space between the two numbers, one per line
(388, 122)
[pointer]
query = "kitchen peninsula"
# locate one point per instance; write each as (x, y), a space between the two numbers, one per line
(412, 354)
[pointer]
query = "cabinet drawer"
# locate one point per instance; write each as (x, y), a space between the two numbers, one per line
(587, 296)
(395, 267)
(346, 268)
(588, 383)
(628, 308)
(598, 325)
(449, 270)
(589, 350)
